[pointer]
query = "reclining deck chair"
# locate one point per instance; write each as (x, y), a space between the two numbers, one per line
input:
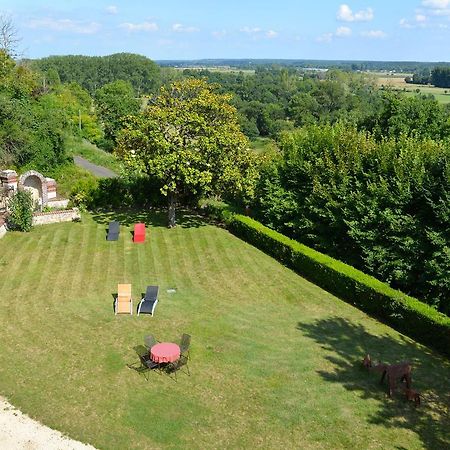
(113, 231)
(148, 303)
(123, 303)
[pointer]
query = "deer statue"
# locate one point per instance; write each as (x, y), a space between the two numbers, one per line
(412, 395)
(393, 372)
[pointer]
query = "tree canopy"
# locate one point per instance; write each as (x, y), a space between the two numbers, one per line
(189, 138)
(93, 72)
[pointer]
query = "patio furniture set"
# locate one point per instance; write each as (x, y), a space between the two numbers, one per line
(165, 357)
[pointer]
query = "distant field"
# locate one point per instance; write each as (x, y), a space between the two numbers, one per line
(398, 82)
(219, 69)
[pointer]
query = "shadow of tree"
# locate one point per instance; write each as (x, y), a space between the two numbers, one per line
(348, 342)
(154, 217)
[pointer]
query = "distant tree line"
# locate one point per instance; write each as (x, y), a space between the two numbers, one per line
(277, 99)
(439, 77)
(93, 72)
(246, 64)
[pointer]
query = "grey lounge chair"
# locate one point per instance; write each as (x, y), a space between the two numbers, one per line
(148, 303)
(113, 231)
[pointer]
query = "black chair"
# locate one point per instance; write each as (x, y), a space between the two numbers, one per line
(145, 364)
(113, 231)
(174, 367)
(185, 343)
(148, 303)
(150, 341)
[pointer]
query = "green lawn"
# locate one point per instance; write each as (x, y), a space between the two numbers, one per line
(275, 361)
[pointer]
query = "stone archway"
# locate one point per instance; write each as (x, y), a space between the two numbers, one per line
(37, 184)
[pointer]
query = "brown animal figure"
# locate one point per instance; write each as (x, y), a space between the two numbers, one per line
(394, 372)
(412, 395)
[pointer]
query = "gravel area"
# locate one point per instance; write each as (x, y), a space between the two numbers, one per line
(20, 432)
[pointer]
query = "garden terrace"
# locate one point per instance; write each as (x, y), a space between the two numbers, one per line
(275, 360)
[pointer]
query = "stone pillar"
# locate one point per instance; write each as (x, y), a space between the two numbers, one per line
(51, 188)
(9, 179)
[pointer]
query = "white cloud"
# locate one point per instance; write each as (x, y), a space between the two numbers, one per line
(345, 14)
(404, 23)
(259, 33)
(421, 18)
(112, 9)
(437, 7)
(343, 32)
(250, 30)
(136, 27)
(180, 28)
(374, 34)
(436, 4)
(326, 37)
(68, 25)
(219, 34)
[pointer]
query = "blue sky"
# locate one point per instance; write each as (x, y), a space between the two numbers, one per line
(371, 30)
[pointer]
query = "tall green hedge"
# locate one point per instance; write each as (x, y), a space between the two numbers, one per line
(406, 314)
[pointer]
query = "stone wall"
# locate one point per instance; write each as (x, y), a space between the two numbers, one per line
(67, 215)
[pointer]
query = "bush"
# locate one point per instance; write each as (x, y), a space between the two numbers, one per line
(406, 314)
(21, 211)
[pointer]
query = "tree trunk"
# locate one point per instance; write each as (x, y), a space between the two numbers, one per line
(172, 197)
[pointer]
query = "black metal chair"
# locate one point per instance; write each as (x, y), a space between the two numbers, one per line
(185, 343)
(150, 341)
(148, 303)
(145, 364)
(174, 367)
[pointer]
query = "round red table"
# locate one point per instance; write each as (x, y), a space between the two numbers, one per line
(165, 352)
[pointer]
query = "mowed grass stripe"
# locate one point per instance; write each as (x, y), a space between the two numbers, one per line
(11, 271)
(97, 255)
(77, 274)
(197, 275)
(67, 254)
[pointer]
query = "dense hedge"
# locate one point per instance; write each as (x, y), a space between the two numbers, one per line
(406, 314)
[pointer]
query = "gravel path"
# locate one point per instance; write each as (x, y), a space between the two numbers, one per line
(98, 171)
(19, 432)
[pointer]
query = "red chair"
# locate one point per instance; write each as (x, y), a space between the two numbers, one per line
(139, 232)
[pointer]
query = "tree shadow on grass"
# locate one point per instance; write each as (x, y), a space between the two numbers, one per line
(347, 343)
(153, 218)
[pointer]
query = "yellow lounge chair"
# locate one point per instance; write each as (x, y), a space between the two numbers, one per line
(124, 302)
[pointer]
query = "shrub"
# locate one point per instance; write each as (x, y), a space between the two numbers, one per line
(406, 314)
(21, 211)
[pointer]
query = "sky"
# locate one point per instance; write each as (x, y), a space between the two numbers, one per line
(395, 30)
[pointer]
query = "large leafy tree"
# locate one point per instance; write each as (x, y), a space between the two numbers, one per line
(114, 101)
(190, 140)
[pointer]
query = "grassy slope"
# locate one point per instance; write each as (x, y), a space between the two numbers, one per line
(92, 153)
(275, 359)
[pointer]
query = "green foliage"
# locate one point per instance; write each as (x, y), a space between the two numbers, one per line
(31, 124)
(406, 314)
(440, 77)
(93, 72)
(113, 102)
(21, 211)
(189, 139)
(380, 206)
(420, 116)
